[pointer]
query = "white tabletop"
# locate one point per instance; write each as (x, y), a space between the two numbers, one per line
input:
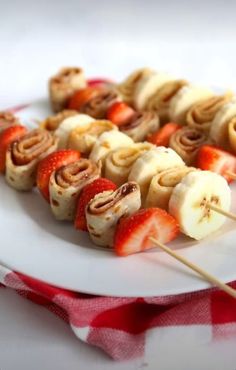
(191, 40)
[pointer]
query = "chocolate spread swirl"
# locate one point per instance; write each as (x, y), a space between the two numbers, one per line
(31, 146)
(102, 204)
(76, 173)
(98, 105)
(7, 119)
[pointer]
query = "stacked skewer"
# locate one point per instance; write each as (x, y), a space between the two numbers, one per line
(110, 160)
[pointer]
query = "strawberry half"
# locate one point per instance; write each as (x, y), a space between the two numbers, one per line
(88, 193)
(120, 113)
(81, 97)
(163, 135)
(7, 137)
(132, 233)
(98, 82)
(211, 158)
(51, 163)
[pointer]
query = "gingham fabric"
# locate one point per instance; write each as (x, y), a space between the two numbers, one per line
(123, 326)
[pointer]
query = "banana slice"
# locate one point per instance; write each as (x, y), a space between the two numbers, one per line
(84, 137)
(184, 99)
(188, 203)
(69, 124)
(152, 162)
(108, 141)
(219, 127)
(162, 185)
(119, 162)
(147, 86)
(232, 133)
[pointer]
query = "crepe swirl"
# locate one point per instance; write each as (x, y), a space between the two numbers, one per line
(63, 85)
(162, 185)
(105, 209)
(66, 184)
(127, 87)
(24, 155)
(53, 122)
(232, 134)
(84, 137)
(187, 141)
(7, 119)
(201, 115)
(160, 101)
(140, 125)
(119, 162)
(98, 105)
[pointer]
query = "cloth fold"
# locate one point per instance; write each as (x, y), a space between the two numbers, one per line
(120, 326)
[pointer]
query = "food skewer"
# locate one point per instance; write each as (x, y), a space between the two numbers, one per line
(213, 207)
(212, 279)
(232, 175)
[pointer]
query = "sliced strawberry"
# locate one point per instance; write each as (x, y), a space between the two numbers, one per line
(211, 158)
(120, 113)
(133, 232)
(51, 163)
(97, 82)
(81, 97)
(162, 136)
(7, 137)
(88, 193)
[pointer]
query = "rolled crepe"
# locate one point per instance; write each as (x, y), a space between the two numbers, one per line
(140, 125)
(66, 184)
(184, 99)
(98, 105)
(63, 85)
(127, 87)
(53, 122)
(147, 86)
(105, 209)
(84, 137)
(162, 185)
(24, 155)
(187, 141)
(201, 115)
(150, 163)
(107, 142)
(219, 132)
(119, 162)
(68, 125)
(7, 119)
(232, 133)
(160, 101)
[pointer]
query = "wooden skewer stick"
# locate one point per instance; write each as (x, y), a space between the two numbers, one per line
(232, 175)
(221, 211)
(213, 280)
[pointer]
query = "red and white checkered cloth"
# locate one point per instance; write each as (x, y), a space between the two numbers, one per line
(121, 326)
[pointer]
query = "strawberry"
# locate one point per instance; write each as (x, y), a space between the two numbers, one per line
(88, 193)
(97, 82)
(7, 137)
(120, 113)
(81, 97)
(133, 232)
(51, 163)
(162, 136)
(214, 159)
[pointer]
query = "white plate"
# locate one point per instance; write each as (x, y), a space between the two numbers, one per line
(32, 242)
